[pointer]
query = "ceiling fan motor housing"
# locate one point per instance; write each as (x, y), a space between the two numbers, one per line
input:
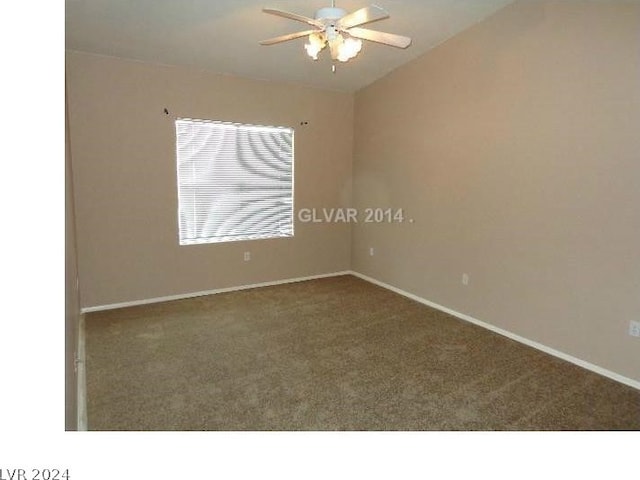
(330, 14)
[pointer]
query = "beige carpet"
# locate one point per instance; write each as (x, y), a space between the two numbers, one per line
(330, 354)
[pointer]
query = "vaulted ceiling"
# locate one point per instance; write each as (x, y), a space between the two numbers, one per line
(222, 35)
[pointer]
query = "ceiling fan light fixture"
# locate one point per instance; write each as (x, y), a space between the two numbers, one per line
(316, 43)
(343, 48)
(349, 49)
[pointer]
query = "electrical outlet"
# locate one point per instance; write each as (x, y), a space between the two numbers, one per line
(247, 256)
(465, 279)
(371, 251)
(634, 328)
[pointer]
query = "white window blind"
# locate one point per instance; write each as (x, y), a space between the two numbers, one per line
(235, 182)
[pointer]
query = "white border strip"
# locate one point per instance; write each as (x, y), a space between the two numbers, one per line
(556, 353)
(81, 377)
(209, 292)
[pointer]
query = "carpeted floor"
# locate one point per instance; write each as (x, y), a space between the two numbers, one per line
(330, 354)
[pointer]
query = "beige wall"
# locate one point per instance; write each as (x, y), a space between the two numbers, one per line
(123, 150)
(515, 147)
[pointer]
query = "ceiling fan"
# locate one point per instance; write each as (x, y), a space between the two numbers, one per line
(340, 30)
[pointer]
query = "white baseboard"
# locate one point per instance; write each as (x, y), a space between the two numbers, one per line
(182, 296)
(81, 377)
(551, 351)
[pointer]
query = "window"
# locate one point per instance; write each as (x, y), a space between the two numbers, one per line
(235, 182)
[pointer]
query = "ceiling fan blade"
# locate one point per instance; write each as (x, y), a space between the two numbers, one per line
(294, 16)
(369, 14)
(284, 38)
(380, 37)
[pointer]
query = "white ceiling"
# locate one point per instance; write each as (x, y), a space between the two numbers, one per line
(222, 35)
